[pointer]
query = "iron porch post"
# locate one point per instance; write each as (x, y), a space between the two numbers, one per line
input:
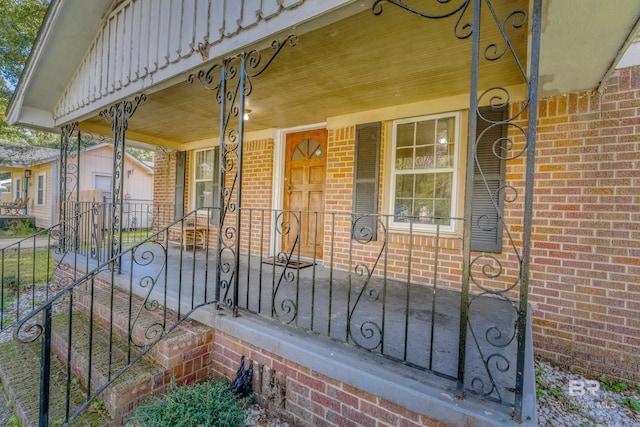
(528, 205)
(468, 203)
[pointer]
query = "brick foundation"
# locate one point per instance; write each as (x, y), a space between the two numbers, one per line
(305, 397)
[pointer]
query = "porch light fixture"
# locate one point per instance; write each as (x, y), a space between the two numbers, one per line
(27, 173)
(245, 117)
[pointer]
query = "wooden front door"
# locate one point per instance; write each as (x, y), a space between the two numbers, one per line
(304, 179)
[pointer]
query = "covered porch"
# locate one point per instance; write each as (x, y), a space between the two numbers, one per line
(389, 145)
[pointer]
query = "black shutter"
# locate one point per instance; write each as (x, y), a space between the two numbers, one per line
(181, 158)
(215, 213)
(365, 181)
(488, 186)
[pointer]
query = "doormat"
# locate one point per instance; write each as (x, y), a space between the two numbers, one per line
(293, 263)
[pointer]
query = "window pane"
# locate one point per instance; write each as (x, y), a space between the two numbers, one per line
(404, 158)
(403, 210)
(443, 185)
(423, 210)
(204, 194)
(424, 157)
(443, 210)
(445, 131)
(425, 132)
(424, 186)
(315, 150)
(204, 164)
(404, 135)
(404, 186)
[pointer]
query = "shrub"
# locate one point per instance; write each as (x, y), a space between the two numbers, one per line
(204, 404)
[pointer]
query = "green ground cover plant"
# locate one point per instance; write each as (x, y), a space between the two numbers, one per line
(17, 228)
(205, 405)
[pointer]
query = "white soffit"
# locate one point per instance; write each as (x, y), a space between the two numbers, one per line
(581, 40)
(76, 26)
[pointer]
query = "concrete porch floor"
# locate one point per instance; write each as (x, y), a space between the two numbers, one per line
(415, 328)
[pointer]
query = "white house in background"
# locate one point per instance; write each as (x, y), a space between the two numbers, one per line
(38, 178)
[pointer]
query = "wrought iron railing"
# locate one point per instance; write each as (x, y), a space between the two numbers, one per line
(389, 285)
(150, 294)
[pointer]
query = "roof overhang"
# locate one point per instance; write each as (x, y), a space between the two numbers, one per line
(68, 28)
(581, 41)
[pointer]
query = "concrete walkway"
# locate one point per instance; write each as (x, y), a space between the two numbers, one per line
(40, 241)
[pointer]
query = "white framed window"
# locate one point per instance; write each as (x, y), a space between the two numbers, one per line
(18, 188)
(205, 178)
(102, 181)
(41, 189)
(424, 171)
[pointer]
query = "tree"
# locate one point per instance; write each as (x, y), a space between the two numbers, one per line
(19, 24)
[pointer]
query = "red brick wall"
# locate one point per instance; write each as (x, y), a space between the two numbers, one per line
(585, 270)
(585, 264)
(305, 397)
(257, 175)
(164, 181)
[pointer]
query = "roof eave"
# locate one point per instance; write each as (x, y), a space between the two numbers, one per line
(15, 107)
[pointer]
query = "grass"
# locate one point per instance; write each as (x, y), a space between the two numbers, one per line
(620, 387)
(34, 267)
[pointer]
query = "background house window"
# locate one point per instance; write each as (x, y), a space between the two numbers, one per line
(103, 182)
(206, 188)
(41, 189)
(18, 188)
(424, 171)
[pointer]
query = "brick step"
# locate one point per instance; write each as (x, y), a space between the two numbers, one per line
(109, 353)
(20, 376)
(184, 353)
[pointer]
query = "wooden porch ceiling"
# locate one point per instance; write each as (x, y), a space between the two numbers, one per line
(360, 63)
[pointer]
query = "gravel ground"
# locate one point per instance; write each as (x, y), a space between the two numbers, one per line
(258, 416)
(568, 399)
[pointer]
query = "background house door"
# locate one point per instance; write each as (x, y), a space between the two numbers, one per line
(304, 179)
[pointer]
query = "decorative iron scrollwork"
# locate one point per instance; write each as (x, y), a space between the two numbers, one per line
(151, 255)
(366, 333)
(486, 273)
(118, 116)
(231, 82)
(285, 307)
(438, 9)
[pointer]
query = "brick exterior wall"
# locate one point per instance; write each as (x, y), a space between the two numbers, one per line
(585, 266)
(305, 397)
(164, 181)
(257, 175)
(585, 270)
